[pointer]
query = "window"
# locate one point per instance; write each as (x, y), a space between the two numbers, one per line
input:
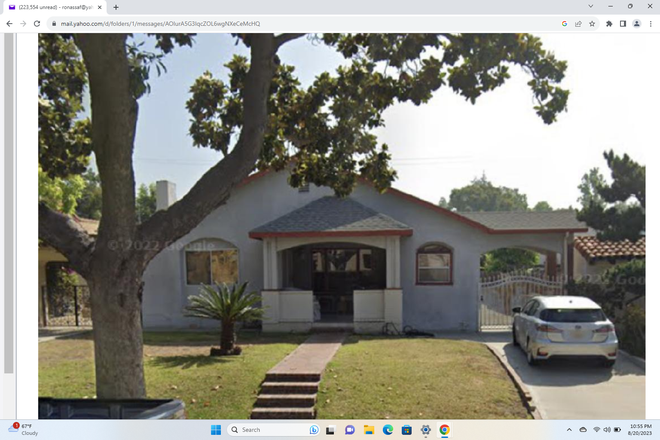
(533, 309)
(573, 315)
(434, 264)
(207, 267)
(527, 307)
(366, 260)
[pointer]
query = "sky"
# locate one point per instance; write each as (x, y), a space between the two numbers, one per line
(447, 142)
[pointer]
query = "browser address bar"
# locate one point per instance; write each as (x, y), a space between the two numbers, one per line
(274, 429)
(314, 23)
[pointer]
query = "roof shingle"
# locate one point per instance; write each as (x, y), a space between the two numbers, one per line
(333, 216)
(504, 221)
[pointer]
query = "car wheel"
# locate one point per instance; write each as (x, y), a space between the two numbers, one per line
(515, 340)
(608, 363)
(530, 356)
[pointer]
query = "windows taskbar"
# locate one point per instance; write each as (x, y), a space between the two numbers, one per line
(331, 429)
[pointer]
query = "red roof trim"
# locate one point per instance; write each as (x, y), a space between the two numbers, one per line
(387, 232)
(421, 202)
(252, 177)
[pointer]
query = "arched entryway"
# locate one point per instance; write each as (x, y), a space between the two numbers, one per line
(510, 276)
(333, 272)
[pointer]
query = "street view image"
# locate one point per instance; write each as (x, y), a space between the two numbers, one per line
(343, 226)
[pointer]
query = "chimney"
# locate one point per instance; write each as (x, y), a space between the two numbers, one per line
(165, 194)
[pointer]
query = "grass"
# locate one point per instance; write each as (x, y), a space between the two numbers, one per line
(177, 365)
(380, 378)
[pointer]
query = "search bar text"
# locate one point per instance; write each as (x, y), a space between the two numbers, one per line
(274, 429)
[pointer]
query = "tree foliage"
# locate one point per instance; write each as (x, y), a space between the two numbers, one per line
(542, 206)
(329, 125)
(617, 210)
(89, 203)
(508, 260)
(589, 185)
(482, 195)
(145, 202)
(60, 194)
(64, 136)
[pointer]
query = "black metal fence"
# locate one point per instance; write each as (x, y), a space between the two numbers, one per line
(65, 306)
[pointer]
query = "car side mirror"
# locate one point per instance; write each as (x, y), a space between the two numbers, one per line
(516, 310)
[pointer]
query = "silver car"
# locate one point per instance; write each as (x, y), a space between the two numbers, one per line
(564, 326)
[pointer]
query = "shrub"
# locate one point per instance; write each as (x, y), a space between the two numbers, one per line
(227, 304)
(632, 331)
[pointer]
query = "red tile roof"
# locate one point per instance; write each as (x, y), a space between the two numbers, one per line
(592, 248)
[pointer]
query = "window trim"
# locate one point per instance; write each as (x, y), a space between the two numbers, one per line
(212, 283)
(451, 265)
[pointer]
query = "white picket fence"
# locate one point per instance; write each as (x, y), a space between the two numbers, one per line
(499, 294)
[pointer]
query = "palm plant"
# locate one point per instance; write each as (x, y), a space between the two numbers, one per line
(227, 304)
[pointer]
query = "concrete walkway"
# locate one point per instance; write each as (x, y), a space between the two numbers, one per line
(51, 333)
(577, 390)
(311, 356)
(291, 387)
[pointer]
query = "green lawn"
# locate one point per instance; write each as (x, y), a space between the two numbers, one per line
(177, 365)
(378, 378)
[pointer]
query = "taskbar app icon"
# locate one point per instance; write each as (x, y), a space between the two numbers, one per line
(444, 430)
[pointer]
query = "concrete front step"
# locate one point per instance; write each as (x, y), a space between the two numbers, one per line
(293, 377)
(290, 387)
(283, 413)
(286, 401)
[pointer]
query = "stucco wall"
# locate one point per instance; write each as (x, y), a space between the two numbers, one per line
(449, 307)
(584, 270)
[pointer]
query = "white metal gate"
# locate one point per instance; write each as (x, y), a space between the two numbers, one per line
(499, 294)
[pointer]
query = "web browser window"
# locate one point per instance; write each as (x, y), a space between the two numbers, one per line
(347, 220)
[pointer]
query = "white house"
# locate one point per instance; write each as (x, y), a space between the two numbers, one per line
(358, 262)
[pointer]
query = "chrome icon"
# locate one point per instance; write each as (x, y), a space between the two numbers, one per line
(388, 429)
(444, 430)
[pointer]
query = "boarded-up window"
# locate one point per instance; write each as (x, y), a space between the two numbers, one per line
(434, 264)
(206, 267)
(224, 266)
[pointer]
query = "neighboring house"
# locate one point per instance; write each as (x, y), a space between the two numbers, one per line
(594, 256)
(360, 262)
(51, 261)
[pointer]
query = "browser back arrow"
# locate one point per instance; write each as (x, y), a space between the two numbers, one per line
(9, 23)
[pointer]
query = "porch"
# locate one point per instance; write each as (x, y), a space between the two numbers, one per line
(332, 264)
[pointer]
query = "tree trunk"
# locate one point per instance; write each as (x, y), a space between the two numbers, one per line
(116, 313)
(113, 264)
(228, 336)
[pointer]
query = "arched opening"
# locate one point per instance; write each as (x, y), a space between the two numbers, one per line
(333, 271)
(509, 277)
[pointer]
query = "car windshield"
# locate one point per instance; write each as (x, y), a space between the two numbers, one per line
(572, 315)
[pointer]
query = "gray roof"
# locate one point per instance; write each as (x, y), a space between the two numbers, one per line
(334, 216)
(533, 221)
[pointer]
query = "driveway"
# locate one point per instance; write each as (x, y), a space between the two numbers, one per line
(576, 390)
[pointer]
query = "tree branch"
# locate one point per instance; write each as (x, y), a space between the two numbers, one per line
(285, 38)
(67, 237)
(214, 188)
